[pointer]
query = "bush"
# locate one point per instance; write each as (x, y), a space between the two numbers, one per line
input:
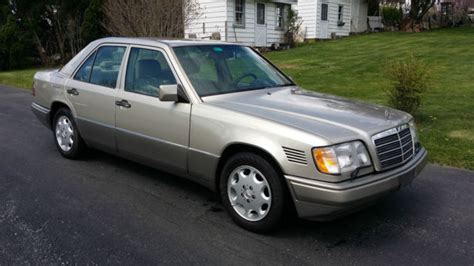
(410, 79)
(392, 16)
(294, 27)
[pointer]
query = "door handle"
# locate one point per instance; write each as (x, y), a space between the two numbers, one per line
(72, 91)
(123, 103)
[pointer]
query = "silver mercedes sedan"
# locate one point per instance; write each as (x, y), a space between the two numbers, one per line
(224, 116)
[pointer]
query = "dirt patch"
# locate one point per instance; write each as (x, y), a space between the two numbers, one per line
(462, 134)
(289, 66)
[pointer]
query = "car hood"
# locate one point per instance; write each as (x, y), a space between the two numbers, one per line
(334, 118)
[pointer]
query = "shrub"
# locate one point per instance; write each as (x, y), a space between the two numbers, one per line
(294, 27)
(391, 15)
(410, 79)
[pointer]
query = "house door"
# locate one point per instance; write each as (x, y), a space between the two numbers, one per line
(323, 23)
(261, 26)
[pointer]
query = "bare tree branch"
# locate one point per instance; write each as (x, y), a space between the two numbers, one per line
(148, 18)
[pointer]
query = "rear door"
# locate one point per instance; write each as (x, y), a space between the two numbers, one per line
(92, 93)
(148, 129)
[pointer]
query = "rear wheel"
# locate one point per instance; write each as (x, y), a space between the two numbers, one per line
(66, 136)
(252, 192)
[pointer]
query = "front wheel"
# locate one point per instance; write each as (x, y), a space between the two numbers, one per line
(252, 192)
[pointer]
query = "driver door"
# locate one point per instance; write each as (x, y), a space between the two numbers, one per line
(147, 129)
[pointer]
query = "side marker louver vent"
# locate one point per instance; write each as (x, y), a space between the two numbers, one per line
(295, 156)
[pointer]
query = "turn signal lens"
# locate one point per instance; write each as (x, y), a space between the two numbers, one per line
(413, 131)
(326, 160)
(342, 158)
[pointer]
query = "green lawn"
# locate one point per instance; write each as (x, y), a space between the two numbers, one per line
(354, 67)
(19, 78)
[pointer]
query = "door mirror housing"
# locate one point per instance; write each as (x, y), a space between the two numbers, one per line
(169, 93)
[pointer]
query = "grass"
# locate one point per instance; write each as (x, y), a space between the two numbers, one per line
(354, 67)
(18, 78)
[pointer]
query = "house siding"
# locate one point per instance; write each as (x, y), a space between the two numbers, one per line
(246, 34)
(307, 11)
(359, 15)
(241, 34)
(219, 16)
(212, 18)
(333, 6)
(274, 35)
(354, 17)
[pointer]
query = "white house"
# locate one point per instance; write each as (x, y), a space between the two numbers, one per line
(252, 22)
(323, 19)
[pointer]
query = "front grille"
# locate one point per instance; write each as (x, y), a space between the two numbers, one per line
(394, 146)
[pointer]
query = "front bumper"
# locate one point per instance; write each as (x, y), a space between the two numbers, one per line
(42, 113)
(319, 200)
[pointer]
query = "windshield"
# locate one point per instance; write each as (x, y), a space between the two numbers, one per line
(219, 69)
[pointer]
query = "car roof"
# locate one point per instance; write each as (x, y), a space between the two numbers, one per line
(69, 68)
(168, 42)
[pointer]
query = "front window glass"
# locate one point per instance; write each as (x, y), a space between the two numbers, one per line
(107, 66)
(147, 70)
(227, 68)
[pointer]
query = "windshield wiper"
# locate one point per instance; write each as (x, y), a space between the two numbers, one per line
(270, 87)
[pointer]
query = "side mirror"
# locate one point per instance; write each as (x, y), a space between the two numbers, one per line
(169, 93)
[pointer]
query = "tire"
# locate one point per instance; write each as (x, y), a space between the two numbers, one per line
(66, 135)
(258, 203)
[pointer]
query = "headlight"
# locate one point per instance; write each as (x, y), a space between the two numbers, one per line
(342, 158)
(413, 131)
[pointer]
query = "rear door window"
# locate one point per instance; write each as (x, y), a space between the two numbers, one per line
(107, 66)
(84, 73)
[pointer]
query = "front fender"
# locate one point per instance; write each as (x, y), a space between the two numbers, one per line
(213, 129)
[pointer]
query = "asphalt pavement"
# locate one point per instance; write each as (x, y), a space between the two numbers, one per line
(106, 210)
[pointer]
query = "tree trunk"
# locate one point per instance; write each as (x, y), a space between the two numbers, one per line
(407, 24)
(39, 47)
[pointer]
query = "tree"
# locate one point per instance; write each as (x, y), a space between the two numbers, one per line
(418, 9)
(373, 7)
(90, 29)
(148, 18)
(16, 49)
(31, 17)
(56, 26)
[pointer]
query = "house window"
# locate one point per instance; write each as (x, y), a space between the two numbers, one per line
(324, 12)
(260, 13)
(240, 12)
(280, 15)
(340, 14)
